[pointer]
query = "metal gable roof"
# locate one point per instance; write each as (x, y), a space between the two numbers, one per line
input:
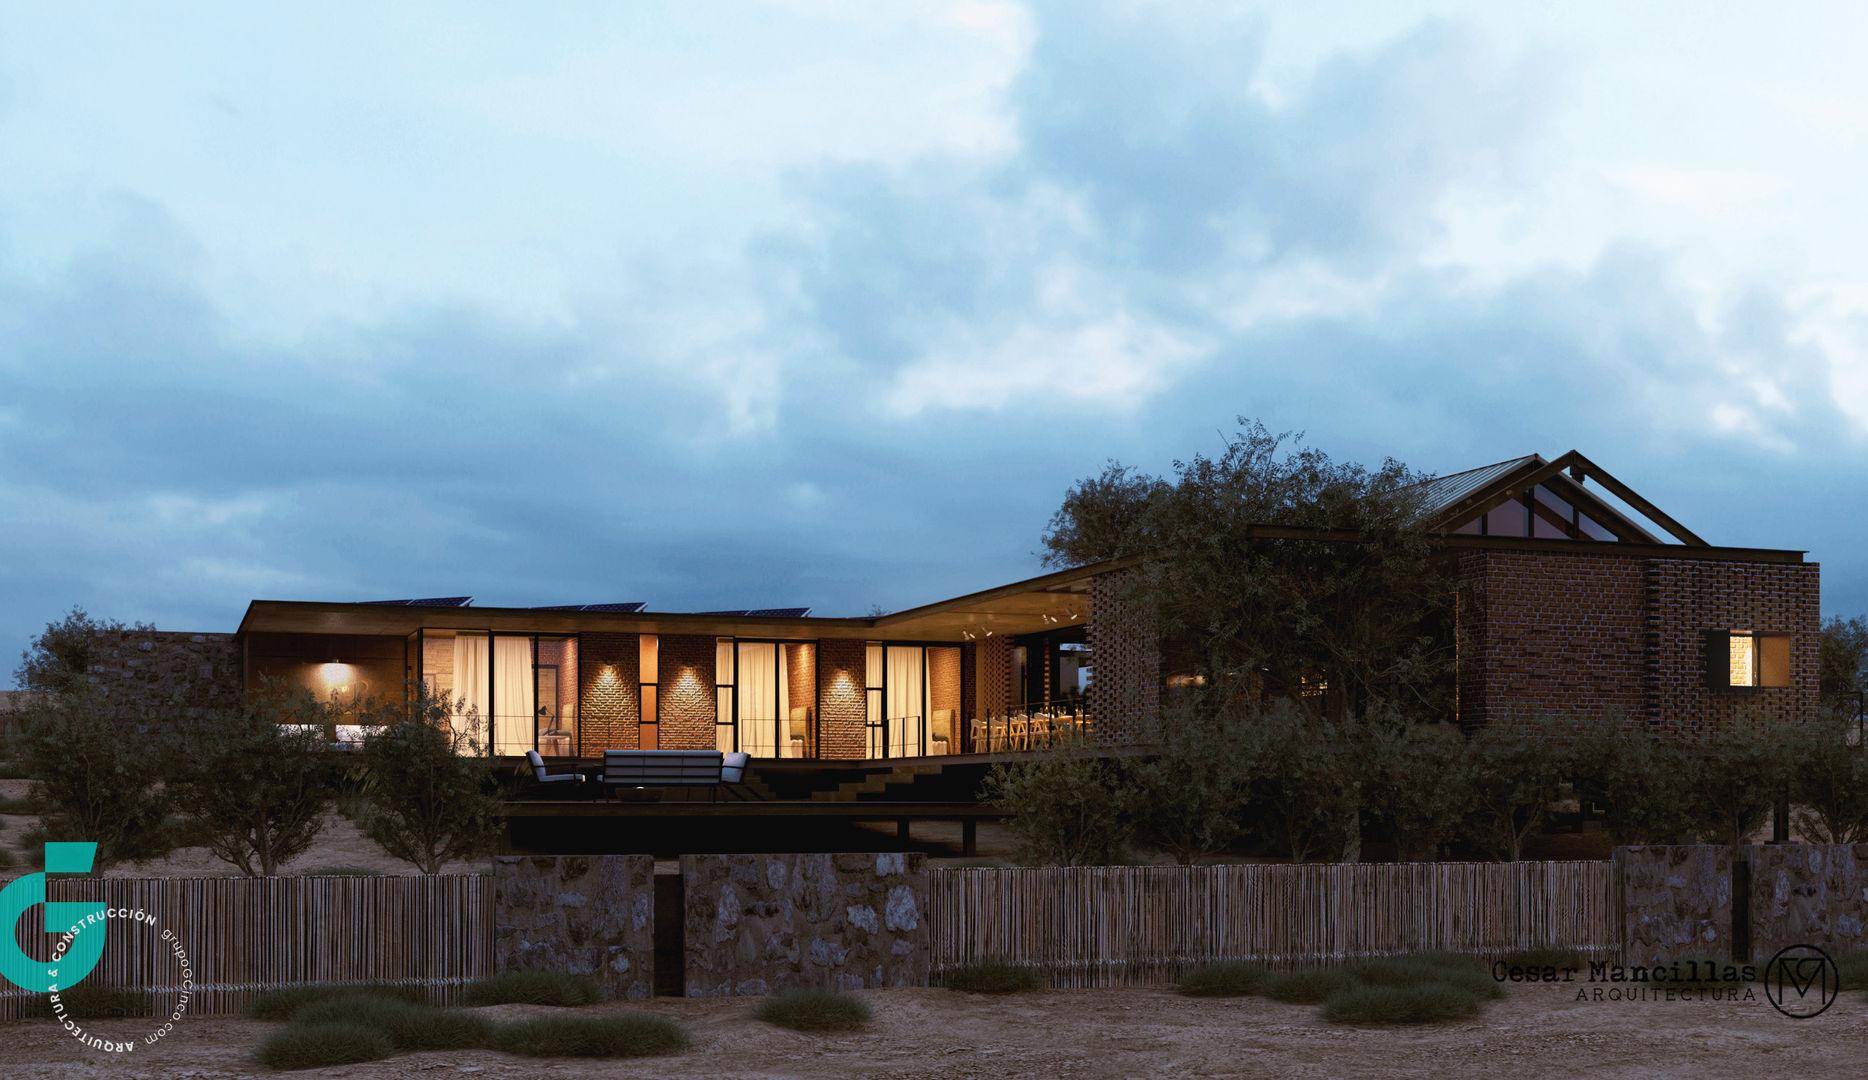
(1444, 491)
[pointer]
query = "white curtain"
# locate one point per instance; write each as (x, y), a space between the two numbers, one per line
(470, 688)
(758, 700)
(907, 705)
(515, 715)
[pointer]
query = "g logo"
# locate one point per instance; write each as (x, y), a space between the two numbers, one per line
(19, 897)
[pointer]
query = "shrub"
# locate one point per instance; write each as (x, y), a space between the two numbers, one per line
(1066, 807)
(1546, 957)
(1423, 1003)
(1464, 973)
(1702, 971)
(426, 798)
(625, 1035)
(406, 1025)
(1852, 967)
(285, 1002)
(91, 1001)
(533, 988)
(814, 1010)
(310, 1046)
(1306, 986)
(1227, 979)
(992, 978)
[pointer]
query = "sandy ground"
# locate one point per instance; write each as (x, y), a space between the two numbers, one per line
(1536, 1032)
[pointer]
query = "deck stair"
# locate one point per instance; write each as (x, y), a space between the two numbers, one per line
(875, 783)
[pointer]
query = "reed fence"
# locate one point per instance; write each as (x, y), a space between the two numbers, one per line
(1141, 925)
(243, 936)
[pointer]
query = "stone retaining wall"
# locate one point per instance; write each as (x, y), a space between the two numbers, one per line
(1808, 894)
(1676, 902)
(759, 924)
(587, 915)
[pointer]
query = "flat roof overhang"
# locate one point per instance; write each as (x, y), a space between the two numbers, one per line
(1047, 602)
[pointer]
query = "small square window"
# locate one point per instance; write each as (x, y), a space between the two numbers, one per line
(1747, 658)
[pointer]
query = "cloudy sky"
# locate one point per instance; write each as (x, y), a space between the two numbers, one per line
(827, 303)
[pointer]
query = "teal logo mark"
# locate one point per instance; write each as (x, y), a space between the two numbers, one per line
(77, 954)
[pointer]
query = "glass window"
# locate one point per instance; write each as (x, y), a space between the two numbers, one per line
(1757, 659)
(648, 679)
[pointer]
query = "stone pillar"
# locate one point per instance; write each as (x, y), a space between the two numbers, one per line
(587, 915)
(760, 924)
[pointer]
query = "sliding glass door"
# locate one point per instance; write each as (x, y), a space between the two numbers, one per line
(767, 704)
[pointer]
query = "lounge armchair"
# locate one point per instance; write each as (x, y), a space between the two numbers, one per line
(543, 777)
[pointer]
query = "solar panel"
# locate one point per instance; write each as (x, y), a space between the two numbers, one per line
(735, 611)
(433, 601)
(633, 605)
(781, 612)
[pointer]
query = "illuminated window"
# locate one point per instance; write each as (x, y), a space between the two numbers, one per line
(1747, 658)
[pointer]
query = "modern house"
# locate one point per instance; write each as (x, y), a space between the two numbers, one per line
(1589, 601)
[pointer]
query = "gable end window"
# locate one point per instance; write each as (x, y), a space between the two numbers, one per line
(1747, 659)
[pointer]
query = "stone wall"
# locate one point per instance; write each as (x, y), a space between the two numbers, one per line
(1676, 902)
(759, 924)
(587, 915)
(1808, 894)
(146, 671)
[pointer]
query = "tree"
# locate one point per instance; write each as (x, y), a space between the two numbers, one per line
(1734, 778)
(1066, 806)
(59, 659)
(1187, 800)
(1640, 782)
(96, 782)
(428, 797)
(1278, 571)
(1515, 777)
(257, 780)
(1829, 783)
(1306, 787)
(1416, 782)
(1842, 665)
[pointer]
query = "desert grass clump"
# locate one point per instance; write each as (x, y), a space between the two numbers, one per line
(1466, 973)
(1422, 1003)
(1228, 978)
(1852, 968)
(406, 1025)
(533, 988)
(992, 978)
(313, 1046)
(1305, 986)
(814, 1010)
(1546, 958)
(285, 1002)
(93, 1001)
(1700, 972)
(623, 1035)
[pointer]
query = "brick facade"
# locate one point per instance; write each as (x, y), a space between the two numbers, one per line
(842, 708)
(1125, 665)
(1599, 634)
(688, 709)
(609, 691)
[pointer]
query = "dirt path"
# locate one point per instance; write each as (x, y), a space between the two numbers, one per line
(1536, 1033)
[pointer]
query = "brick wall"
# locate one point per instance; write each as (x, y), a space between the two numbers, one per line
(1592, 634)
(142, 671)
(1691, 596)
(1125, 671)
(1563, 636)
(687, 692)
(609, 691)
(842, 710)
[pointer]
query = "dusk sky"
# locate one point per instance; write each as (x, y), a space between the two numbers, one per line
(826, 304)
